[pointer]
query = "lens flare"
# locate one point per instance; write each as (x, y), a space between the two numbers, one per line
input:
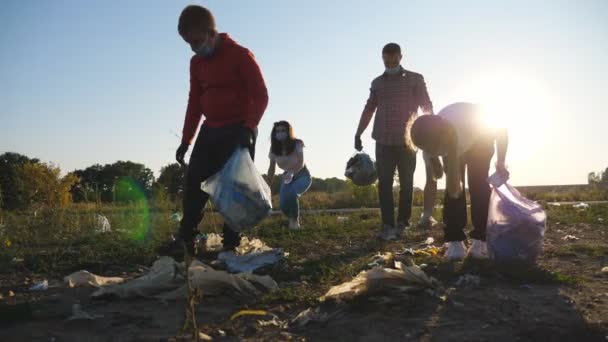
(127, 190)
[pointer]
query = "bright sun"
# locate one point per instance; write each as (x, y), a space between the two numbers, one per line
(516, 102)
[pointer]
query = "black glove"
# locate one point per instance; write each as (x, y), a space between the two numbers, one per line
(245, 137)
(181, 153)
(358, 143)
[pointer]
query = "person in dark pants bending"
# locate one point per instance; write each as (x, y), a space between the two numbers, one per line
(227, 87)
(459, 135)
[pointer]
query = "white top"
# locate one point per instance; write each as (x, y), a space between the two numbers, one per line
(467, 120)
(289, 162)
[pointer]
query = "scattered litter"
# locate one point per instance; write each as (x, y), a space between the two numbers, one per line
(457, 304)
(250, 262)
(429, 241)
(1, 296)
(342, 218)
(516, 226)
(222, 333)
(204, 337)
(11, 294)
(86, 278)
(554, 204)
(78, 313)
(176, 217)
(581, 206)
(17, 260)
(312, 315)
(251, 246)
(239, 192)
(382, 260)
(605, 270)
(275, 321)
(214, 244)
(401, 279)
(249, 313)
(468, 280)
(570, 238)
(166, 281)
(600, 219)
(102, 224)
(41, 286)
(429, 250)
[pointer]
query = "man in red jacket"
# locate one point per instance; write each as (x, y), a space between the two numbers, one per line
(227, 87)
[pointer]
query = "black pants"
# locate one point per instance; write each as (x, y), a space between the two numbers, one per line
(476, 161)
(213, 148)
(389, 158)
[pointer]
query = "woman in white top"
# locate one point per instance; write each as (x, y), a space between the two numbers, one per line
(288, 153)
(458, 134)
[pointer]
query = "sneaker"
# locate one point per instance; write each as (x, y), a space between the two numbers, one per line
(456, 251)
(478, 250)
(294, 224)
(426, 222)
(388, 233)
(402, 228)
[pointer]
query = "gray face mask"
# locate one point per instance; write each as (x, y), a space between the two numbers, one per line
(281, 136)
(393, 71)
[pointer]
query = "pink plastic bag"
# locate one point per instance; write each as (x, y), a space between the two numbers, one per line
(516, 226)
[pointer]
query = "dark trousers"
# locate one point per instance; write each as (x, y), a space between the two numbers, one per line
(476, 161)
(389, 158)
(213, 148)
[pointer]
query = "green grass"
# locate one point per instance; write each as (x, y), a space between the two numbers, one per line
(573, 250)
(595, 214)
(330, 248)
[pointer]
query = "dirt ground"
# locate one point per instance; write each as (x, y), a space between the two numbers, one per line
(566, 303)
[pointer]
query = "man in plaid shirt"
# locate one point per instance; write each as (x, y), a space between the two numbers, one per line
(395, 96)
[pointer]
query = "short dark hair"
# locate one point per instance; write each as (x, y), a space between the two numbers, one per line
(391, 48)
(195, 17)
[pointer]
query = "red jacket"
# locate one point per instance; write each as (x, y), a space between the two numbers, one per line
(227, 87)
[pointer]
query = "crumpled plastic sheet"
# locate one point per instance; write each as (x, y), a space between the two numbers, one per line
(402, 279)
(250, 262)
(86, 278)
(214, 244)
(166, 281)
(102, 224)
(312, 315)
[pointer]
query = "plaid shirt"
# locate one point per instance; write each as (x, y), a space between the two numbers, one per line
(396, 98)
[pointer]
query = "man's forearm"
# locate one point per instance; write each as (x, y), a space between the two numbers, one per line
(366, 118)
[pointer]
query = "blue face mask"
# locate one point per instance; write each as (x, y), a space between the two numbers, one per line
(393, 71)
(205, 49)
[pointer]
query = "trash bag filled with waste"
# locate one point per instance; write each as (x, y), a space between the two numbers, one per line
(361, 169)
(239, 192)
(516, 226)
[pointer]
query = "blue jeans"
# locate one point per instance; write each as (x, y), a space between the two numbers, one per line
(290, 193)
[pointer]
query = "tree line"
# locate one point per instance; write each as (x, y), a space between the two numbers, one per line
(27, 181)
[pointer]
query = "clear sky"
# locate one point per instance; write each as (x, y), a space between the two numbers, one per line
(84, 82)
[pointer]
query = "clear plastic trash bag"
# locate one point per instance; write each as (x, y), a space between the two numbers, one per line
(239, 192)
(361, 169)
(516, 226)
